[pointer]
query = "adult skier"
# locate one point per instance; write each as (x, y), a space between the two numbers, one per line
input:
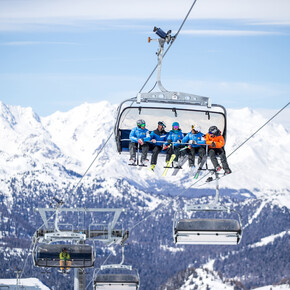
(195, 138)
(174, 139)
(155, 137)
(137, 136)
(216, 144)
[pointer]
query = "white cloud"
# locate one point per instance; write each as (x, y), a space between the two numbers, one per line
(26, 43)
(229, 32)
(15, 13)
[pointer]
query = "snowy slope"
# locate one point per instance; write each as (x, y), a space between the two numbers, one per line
(26, 283)
(62, 143)
(205, 279)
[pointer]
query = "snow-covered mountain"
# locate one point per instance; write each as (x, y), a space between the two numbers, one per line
(45, 157)
(206, 279)
(62, 146)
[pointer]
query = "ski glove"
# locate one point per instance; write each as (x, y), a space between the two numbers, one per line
(169, 141)
(140, 141)
(179, 141)
(153, 141)
(213, 144)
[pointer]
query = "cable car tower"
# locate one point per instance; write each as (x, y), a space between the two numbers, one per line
(168, 106)
(53, 237)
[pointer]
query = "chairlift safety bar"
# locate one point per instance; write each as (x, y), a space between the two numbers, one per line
(116, 266)
(58, 235)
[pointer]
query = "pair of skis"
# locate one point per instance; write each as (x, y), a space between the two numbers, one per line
(168, 164)
(203, 160)
(180, 162)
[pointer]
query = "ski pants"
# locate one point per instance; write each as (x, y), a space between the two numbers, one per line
(133, 147)
(222, 154)
(173, 150)
(156, 150)
(191, 155)
(64, 263)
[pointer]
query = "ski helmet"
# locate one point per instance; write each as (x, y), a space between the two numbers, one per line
(196, 127)
(140, 123)
(213, 130)
(161, 123)
(175, 124)
(64, 249)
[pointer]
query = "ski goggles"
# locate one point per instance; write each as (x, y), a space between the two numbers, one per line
(175, 127)
(143, 125)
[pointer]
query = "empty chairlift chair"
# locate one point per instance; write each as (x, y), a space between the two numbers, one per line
(116, 281)
(117, 277)
(208, 231)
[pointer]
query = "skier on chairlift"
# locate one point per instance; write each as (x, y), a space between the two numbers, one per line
(195, 138)
(64, 261)
(216, 143)
(137, 136)
(174, 139)
(155, 137)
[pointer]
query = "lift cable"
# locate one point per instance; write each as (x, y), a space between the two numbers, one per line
(259, 129)
(181, 26)
(175, 36)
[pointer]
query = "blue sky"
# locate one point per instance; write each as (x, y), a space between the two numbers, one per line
(57, 54)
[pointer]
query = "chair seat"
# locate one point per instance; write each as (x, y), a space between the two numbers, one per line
(207, 231)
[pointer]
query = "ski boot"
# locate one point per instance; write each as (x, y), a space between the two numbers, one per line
(218, 168)
(143, 162)
(132, 162)
(227, 171)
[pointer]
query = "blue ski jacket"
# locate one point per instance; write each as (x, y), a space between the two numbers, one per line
(198, 138)
(174, 136)
(158, 136)
(138, 133)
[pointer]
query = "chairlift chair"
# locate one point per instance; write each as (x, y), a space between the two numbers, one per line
(168, 106)
(117, 282)
(47, 255)
(123, 278)
(207, 231)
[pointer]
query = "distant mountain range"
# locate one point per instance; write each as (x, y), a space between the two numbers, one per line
(45, 157)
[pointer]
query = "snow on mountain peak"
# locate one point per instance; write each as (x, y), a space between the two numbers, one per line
(72, 139)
